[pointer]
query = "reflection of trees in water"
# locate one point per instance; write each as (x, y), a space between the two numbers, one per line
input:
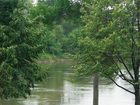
(73, 93)
(57, 89)
(61, 90)
(9, 102)
(55, 84)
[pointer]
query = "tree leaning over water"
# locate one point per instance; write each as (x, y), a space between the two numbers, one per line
(18, 50)
(110, 44)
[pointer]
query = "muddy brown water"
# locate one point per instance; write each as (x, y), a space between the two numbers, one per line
(60, 89)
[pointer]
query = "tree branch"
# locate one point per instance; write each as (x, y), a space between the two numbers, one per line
(123, 77)
(122, 61)
(119, 85)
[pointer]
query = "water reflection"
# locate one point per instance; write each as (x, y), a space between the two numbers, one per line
(59, 90)
(117, 95)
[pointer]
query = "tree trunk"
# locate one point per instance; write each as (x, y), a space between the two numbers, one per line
(96, 89)
(137, 95)
(137, 85)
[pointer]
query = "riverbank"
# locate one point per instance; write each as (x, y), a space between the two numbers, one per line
(45, 58)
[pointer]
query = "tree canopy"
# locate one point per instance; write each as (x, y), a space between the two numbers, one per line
(18, 50)
(110, 42)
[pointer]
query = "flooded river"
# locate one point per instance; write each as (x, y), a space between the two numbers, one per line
(61, 89)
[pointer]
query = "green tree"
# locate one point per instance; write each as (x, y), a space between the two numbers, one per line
(49, 13)
(18, 51)
(6, 8)
(70, 42)
(60, 17)
(52, 39)
(110, 43)
(56, 10)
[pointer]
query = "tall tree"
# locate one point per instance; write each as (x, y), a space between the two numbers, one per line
(110, 43)
(18, 51)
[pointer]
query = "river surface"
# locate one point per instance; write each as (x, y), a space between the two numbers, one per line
(60, 88)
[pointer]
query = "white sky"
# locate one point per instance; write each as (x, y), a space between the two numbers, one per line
(34, 1)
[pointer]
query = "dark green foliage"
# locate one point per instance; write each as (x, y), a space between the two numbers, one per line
(49, 13)
(68, 8)
(70, 43)
(6, 8)
(56, 10)
(18, 51)
(60, 17)
(52, 40)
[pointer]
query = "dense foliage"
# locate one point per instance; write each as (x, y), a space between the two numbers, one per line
(61, 18)
(6, 7)
(18, 50)
(110, 43)
(26, 30)
(105, 34)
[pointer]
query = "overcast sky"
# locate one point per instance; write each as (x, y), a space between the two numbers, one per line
(34, 1)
